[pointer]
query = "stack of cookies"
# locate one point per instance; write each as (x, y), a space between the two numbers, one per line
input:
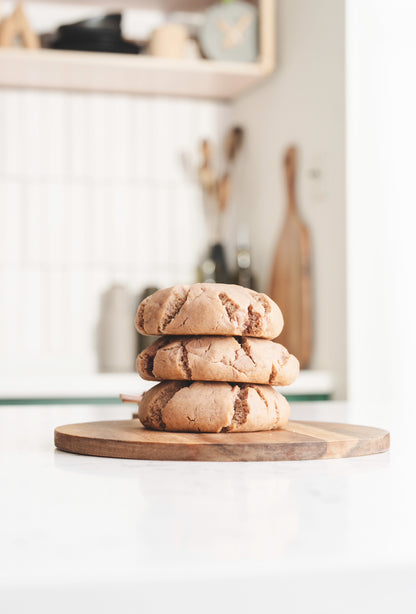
(215, 359)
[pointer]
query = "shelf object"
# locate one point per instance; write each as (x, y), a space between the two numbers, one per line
(99, 72)
(16, 25)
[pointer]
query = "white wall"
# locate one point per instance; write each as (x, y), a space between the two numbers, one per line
(92, 192)
(303, 103)
(381, 109)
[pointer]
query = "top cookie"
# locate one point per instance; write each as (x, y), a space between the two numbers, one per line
(209, 309)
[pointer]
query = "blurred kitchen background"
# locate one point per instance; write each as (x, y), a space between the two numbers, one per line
(100, 160)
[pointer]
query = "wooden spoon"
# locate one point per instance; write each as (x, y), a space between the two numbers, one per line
(232, 145)
(206, 174)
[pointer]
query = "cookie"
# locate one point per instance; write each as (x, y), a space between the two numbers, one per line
(209, 309)
(214, 407)
(218, 359)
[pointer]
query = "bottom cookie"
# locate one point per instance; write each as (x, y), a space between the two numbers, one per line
(213, 407)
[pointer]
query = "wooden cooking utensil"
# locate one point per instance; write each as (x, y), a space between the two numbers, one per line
(233, 142)
(15, 26)
(206, 175)
(290, 284)
(207, 179)
(232, 145)
(223, 191)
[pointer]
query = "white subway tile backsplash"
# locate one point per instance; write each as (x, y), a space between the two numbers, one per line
(208, 122)
(99, 205)
(97, 164)
(93, 192)
(199, 236)
(11, 235)
(163, 159)
(77, 313)
(3, 147)
(162, 219)
(31, 313)
(57, 202)
(77, 134)
(56, 333)
(183, 228)
(78, 226)
(118, 135)
(31, 150)
(117, 222)
(140, 139)
(133, 230)
(34, 225)
(144, 227)
(11, 132)
(9, 315)
(54, 125)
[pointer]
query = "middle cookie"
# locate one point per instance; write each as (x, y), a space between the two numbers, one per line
(218, 359)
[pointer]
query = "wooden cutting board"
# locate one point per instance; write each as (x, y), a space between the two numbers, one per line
(299, 441)
(290, 284)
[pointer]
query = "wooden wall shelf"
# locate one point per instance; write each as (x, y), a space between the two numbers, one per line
(106, 72)
(99, 72)
(156, 5)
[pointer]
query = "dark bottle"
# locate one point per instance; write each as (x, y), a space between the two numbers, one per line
(244, 274)
(214, 268)
(218, 257)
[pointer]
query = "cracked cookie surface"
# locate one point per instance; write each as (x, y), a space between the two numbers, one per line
(209, 309)
(214, 407)
(223, 359)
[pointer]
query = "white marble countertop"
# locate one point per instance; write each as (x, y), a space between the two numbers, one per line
(85, 534)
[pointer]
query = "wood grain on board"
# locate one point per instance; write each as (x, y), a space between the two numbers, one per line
(298, 441)
(290, 283)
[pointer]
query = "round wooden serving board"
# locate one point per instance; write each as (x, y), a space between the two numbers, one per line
(298, 441)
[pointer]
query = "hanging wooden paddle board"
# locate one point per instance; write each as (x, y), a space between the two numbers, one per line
(290, 284)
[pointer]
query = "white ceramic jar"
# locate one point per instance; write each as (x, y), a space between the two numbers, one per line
(117, 336)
